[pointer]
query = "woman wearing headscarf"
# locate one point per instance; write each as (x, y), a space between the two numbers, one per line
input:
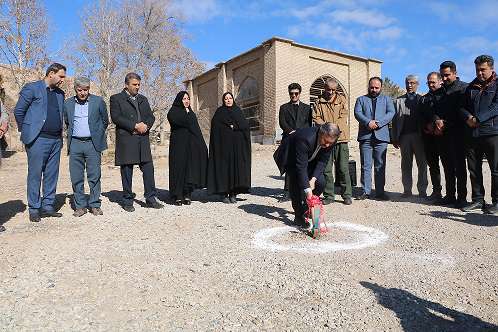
(229, 170)
(187, 151)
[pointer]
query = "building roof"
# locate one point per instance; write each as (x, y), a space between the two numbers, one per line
(285, 40)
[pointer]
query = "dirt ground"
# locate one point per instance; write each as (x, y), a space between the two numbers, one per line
(402, 265)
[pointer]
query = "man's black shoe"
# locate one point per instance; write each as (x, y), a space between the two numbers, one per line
(460, 203)
(348, 201)
(406, 194)
(492, 209)
(382, 197)
(300, 221)
(327, 201)
(51, 214)
(285, 197)
(2, 229)
(435, 196)
(128, 208)
(477, 205)
(446, 200)
(153, 204)
(34, 217)
(363, 197)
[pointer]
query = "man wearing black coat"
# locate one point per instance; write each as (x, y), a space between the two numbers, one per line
(450, 126)
(430, 103)
(132, 115)
(303, 157)
(291, 116)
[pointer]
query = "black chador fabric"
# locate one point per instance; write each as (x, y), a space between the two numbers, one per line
(188, 154)
(229, 152)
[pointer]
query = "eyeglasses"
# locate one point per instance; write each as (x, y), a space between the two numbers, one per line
(331, 90)
(294, 93)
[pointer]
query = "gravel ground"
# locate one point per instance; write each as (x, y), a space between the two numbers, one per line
(210, 266)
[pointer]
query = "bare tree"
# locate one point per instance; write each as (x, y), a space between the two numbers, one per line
(23, 39)
(139, 36)
(391, 89)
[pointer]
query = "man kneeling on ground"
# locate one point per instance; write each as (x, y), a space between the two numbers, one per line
(303, 157)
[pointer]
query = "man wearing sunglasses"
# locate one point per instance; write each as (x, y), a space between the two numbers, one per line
(293, 115)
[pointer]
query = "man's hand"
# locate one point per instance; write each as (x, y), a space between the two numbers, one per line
(439, 124)
(373, 125)
(312, 183)
(438, 132)
(429, 129)
(141, 128)
(472, 122)
(309, 194)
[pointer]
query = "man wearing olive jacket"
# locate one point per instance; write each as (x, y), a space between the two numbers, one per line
(332, 107)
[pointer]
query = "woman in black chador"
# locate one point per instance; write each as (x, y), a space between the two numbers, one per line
(187, 151)
(229, 170)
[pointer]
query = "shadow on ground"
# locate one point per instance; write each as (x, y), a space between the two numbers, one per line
(416, 314)
(60, 201)
(476, 219)
(276, 193)
(268, 212)
(114, 196)
(8, 210)
(8, 154)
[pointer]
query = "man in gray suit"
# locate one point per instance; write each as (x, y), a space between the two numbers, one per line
(407, 135)
(86, 119)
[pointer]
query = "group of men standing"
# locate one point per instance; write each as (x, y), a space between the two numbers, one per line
(454, 122)
(41, 113)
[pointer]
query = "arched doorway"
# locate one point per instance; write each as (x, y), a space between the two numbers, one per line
(318, 87)
(248, 100)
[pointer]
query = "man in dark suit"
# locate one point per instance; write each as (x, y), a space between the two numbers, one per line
(303, 157)
(38, 115)
(131, 113)
(86, 119)
(291, 116)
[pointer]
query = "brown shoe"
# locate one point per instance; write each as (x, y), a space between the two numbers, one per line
(96, 211)
(79, 212)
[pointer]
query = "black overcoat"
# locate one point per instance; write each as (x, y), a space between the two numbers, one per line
(188, 154)
(290, 121)
(131, 148)
(229, 167)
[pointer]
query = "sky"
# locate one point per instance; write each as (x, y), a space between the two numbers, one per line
(410, 37)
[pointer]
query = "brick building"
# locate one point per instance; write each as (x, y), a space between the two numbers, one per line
(259, 78)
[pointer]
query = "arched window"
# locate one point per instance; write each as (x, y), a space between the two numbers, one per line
(248, 100)
(318, 87)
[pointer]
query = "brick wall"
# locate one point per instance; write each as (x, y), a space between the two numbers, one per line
(275, 64)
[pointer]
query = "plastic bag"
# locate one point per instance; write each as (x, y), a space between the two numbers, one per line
(315, 217)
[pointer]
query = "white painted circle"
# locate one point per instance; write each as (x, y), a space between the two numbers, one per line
(368, 237)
